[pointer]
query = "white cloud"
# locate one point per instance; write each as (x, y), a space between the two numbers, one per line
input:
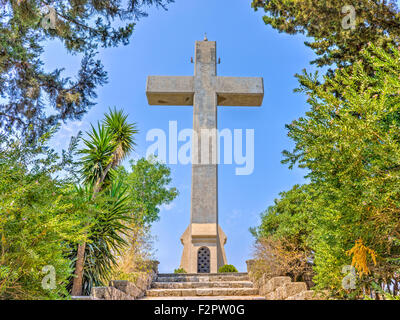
(62, 138)
(168, 207)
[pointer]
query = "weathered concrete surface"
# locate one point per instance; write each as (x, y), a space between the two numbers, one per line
(171, 91)
(205, 91)
(198, 235)
(201, 277)
(293, 288)
(234, 91)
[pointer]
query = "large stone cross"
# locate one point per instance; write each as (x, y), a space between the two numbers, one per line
(204, 239)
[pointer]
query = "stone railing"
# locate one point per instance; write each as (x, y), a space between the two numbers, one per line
(126, 290)
(282, 288)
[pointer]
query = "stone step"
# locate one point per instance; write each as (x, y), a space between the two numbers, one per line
(203, 274)
(194, 285)
(82, 298)
(202, 292)
(206, 277)
(207, 298)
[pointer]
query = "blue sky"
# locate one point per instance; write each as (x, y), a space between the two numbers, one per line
(163, 44)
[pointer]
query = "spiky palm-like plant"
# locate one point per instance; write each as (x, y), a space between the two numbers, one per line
(123, 133)
(105, 149)
(108, 230)
(123, 141)
(107, 238)
(97, 155)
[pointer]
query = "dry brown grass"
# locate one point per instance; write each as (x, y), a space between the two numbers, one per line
(277, 257)
(134, 260)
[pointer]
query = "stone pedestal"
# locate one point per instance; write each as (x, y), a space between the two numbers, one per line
(250, 264)
(200, 240)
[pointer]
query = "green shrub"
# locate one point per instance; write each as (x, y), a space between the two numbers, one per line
(180, 270)
(40, 219)
(227, 268)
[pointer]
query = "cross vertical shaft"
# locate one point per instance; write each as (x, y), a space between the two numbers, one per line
(204, 204)
(204, 227)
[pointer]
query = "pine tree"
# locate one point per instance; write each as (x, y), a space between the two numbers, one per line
(82, 26)
(376, 21)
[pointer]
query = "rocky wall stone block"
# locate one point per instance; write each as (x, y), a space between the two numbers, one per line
(292, 288)
(127, 287)
(274, 283)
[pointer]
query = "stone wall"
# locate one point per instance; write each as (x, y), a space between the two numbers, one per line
(126, 290)
(283, 288)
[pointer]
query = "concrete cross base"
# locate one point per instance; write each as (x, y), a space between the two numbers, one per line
(203, 248)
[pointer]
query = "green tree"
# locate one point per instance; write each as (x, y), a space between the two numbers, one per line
(349, 142)
(45, 218)
(288, 217)
(376, 22)
(284, 246)
(148, 185)
(39, 217)
(82, 27)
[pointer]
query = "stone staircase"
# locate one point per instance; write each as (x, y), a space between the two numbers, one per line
(206, 286)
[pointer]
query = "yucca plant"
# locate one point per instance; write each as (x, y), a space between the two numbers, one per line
(97, 154)
(122, 138)
(107, 237)
(123, 133)
(104, 150)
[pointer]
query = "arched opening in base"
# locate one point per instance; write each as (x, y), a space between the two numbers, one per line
(203, 260)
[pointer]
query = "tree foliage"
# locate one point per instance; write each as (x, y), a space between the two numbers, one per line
(376, 21)
(46, 213)
(40, 216)
(148, 185)
(349, 143)
(118, 236)
(284, 246)
(106, 234)
(36, 99)
(227, 268)
(179, 270)
(129, 201)
(104, 151)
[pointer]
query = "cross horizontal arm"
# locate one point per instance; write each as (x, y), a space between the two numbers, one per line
(170, 91)
(240, 91)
